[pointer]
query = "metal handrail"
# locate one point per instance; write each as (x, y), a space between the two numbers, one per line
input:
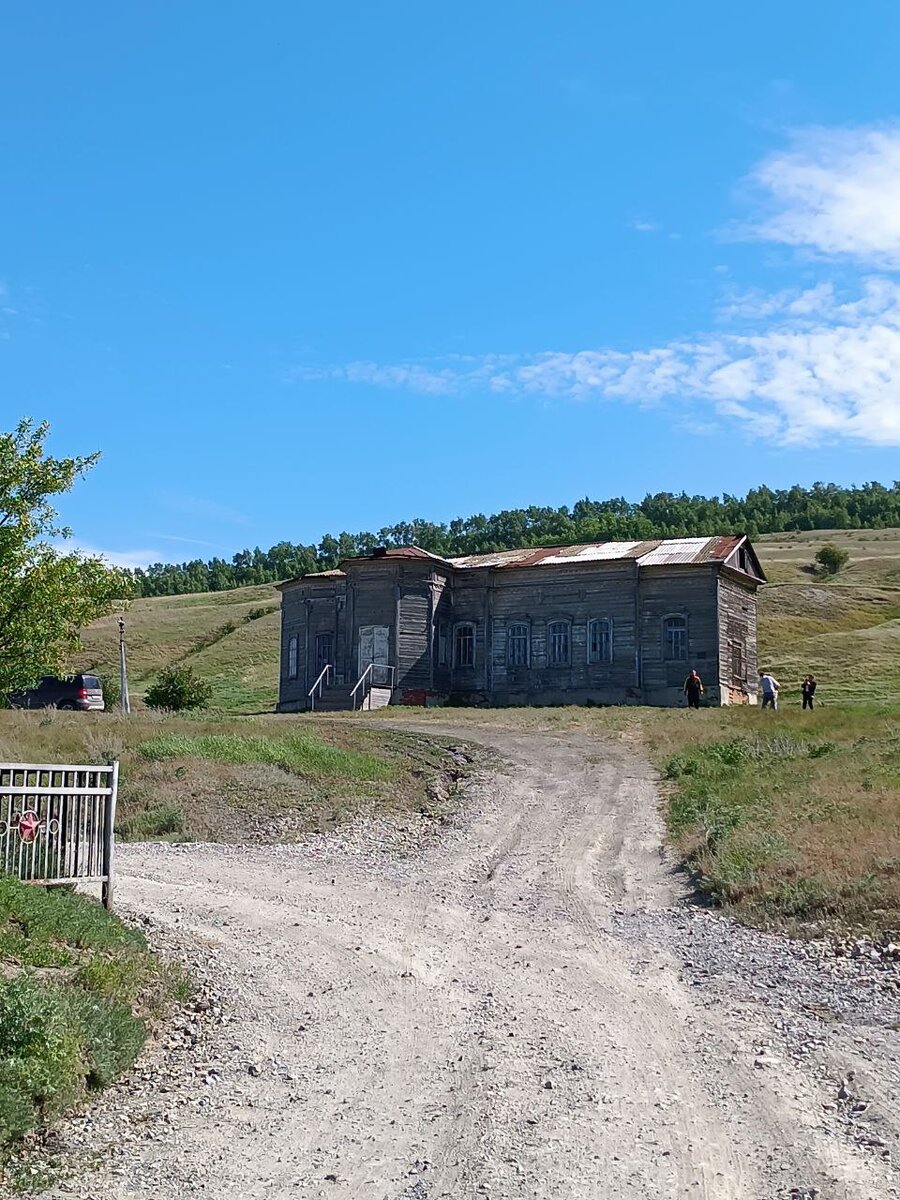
(366, 673)
(321, 682)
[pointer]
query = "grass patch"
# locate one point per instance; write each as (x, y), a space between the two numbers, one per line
(799, 821)
(160, 823)
(77, 990)
(300, 753)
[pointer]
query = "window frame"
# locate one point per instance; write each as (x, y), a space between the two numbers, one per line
(443, 644)
(523, 634)
(738, 662)
(600, 658)
(667, 624)
(293, 656)
(563, 623)
(459, 628)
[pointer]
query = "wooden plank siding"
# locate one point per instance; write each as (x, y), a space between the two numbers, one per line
(689, 592)
(737, 628)
(423, 602)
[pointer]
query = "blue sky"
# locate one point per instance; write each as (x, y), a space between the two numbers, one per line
(297, 268)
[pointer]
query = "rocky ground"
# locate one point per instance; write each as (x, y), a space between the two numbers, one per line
(520, 1004)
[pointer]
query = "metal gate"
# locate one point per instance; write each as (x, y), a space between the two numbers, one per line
(56, 823)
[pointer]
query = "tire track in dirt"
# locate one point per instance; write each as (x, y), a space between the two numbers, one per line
(480, 1019)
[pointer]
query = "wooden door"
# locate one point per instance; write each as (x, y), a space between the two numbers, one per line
(374, 646)
(324, 651)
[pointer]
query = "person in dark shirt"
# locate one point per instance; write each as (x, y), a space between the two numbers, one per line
(693, 689)
(808, 690)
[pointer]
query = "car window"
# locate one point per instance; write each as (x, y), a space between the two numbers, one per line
(91, 682)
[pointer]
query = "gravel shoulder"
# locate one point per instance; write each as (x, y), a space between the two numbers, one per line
(525, 1006)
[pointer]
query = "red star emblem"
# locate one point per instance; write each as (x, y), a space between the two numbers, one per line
(28, 826)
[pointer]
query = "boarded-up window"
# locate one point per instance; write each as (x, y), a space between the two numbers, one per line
(517, 649)
(464, 646)
(292, 656)
(737, 660)
(675, 639)
(600, 640)
(559, 643)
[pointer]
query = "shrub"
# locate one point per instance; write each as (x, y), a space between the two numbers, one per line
(177, 688)
(831, 559)
(112, 691)
(254, 614)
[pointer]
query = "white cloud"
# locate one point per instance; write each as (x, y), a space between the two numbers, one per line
(641, 226)
(836, 192)
(802, 365)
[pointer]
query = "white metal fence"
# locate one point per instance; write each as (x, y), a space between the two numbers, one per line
(56, 823)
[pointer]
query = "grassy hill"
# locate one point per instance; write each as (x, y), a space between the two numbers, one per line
(230, 638)
(845, 630)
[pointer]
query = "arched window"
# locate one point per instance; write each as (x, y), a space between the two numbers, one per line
(675, 648)
(559, 643)
(464, 645)
(518, 650)
(292, 656)
(600, 640)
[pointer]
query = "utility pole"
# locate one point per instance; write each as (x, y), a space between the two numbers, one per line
(124, 702)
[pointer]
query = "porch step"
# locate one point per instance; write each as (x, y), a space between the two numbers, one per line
(337, 699)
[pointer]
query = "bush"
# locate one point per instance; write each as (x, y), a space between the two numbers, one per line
(831, 559)
(178, 688)
(112, 691)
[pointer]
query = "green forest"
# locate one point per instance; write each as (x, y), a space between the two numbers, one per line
(663, 515)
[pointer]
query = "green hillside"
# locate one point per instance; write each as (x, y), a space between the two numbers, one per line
(846, 630)
(230, 638)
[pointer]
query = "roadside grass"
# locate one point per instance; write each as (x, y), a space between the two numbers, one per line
(302, 753)
(78, 991)
(209, 777)
(790, 817)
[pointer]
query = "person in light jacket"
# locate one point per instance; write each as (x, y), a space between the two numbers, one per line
(770, 688)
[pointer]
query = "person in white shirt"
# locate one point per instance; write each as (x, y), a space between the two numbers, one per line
(770, 688)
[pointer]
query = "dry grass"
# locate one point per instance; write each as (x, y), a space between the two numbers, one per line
(237, 779)
(845, 629)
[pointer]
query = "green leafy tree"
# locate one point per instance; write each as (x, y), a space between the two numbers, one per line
(832, 558)
(177, 688)
(46, 595)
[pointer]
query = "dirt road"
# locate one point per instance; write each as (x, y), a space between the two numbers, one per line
(525, 1010)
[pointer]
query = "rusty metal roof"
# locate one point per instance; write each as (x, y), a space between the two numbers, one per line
(654, 553)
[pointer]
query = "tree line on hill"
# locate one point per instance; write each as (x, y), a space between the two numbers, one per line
(762, 510)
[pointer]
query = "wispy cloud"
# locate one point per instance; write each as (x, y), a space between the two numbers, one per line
(836, 192)
(644, 226)
(115, 558)
(199, 506)
(189, 541)
(802, 365)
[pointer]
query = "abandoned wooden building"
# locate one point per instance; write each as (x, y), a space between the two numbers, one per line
(607, 622)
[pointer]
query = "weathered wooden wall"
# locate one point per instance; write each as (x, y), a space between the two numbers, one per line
(737, 624)
(688, 591)
(422, 603)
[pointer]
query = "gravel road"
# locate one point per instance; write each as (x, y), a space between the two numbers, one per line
(527, 1006)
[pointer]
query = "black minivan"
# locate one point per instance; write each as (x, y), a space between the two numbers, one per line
(73, 692)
